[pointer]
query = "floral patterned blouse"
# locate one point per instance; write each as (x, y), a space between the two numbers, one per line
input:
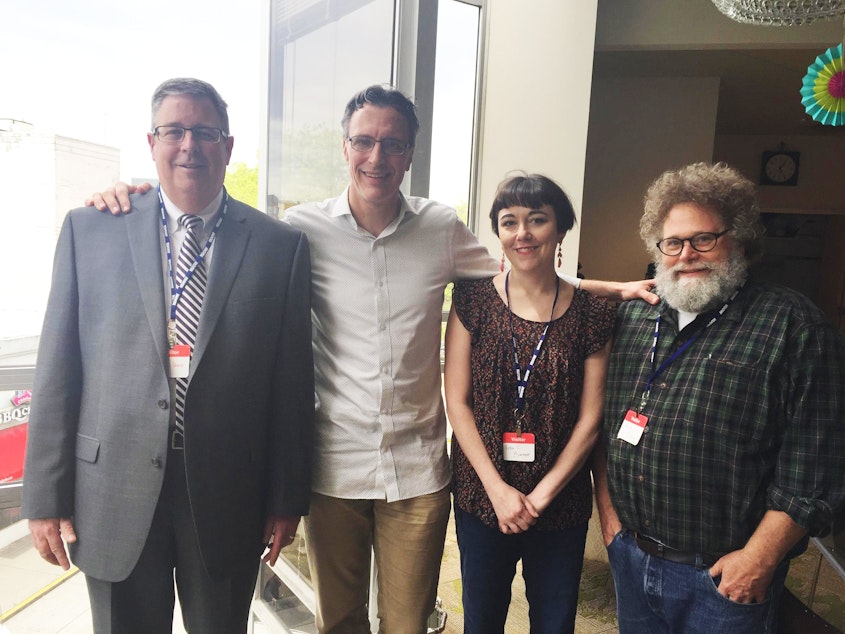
(552, 396)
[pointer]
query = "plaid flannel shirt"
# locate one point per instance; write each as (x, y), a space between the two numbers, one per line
(750, 417)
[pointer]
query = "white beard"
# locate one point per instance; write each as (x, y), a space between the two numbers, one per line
(700, 295)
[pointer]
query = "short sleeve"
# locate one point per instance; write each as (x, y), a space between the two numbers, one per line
(467, 298)
(599, 319)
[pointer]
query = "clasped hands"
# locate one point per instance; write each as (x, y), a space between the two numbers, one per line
(515, 510)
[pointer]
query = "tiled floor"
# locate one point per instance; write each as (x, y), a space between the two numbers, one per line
(63, 609)
(57, 601)
(37, 598)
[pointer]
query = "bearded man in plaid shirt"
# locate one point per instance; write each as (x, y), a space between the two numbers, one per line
(724, 421)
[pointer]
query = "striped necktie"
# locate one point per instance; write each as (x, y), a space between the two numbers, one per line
(190, 303)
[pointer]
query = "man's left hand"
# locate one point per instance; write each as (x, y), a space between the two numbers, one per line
(278, 533)
(744, 580)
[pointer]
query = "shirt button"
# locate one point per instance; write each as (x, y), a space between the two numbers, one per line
(647, 522)
(162, 404)
(156, 463)
(641, 478)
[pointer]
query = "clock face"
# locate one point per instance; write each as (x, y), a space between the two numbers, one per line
(780, 168)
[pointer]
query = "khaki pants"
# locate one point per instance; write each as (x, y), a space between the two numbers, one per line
(407, 537)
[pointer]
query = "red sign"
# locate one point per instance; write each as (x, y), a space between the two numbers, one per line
(14, 421)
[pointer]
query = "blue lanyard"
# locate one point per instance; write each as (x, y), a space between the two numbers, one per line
(522, 381)
(656, 373)
(176, 290)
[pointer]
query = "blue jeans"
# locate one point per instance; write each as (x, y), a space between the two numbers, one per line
(551, 568)
(654, 596)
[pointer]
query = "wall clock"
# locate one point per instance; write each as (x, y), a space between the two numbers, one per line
(779, 167)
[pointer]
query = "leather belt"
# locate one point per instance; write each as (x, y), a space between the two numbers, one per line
(177, 439)
(654, 548)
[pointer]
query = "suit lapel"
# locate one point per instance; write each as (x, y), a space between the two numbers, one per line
(143, 227)
(229, 248)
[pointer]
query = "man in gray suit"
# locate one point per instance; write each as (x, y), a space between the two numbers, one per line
(156, 444)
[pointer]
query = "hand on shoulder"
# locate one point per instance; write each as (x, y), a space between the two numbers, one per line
(116, 199)
(622, 291)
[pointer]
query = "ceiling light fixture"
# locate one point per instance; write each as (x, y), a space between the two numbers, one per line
(780, 12)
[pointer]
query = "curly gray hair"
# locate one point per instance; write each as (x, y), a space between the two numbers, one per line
(717, 187)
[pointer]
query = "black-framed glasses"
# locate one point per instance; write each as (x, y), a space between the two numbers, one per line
(701, 242)
(175, 133)
(394, 147)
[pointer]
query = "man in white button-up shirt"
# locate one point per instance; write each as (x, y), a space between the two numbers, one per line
(381, 477)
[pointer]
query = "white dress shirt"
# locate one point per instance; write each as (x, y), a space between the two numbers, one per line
(177, 236)
(376, 305)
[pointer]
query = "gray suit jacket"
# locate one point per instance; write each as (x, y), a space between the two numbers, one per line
(98, 431)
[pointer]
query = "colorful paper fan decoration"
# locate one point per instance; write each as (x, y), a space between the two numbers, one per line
(823, 94)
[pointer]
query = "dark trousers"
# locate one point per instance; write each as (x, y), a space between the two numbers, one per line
(551, 568)
(144, 602)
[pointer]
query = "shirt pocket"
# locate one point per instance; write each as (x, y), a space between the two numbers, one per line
(738, 397)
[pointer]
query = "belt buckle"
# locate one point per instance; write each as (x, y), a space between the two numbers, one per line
(177, 439)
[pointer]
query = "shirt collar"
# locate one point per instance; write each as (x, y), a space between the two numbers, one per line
(341, 207)
(207, 214)
(685, 318)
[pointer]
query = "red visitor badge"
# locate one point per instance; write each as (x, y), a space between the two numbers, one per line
(518, 447)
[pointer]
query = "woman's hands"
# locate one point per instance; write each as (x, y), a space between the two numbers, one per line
(514, 510)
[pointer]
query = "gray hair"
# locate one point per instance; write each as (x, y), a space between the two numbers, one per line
(195, 88)
(716, 187)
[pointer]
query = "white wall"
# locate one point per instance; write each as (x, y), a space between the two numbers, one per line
(535, 106)
(639, 127)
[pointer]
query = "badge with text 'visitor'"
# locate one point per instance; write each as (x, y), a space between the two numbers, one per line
(180, 361)
(632, 427)
(518, 447)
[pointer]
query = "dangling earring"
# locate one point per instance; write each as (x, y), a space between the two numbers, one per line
(502, 265)
(559, 255)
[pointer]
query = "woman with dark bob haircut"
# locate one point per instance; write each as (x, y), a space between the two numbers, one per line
(526, 361)
(533, 190)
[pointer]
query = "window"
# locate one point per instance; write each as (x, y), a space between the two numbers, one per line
(320, 54)
(318, 58)
(453, 121)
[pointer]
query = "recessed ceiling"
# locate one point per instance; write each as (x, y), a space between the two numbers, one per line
(759, 88)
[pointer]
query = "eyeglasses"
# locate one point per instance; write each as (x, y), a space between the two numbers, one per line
(175, 133)
(394, 147)
(701, 242)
